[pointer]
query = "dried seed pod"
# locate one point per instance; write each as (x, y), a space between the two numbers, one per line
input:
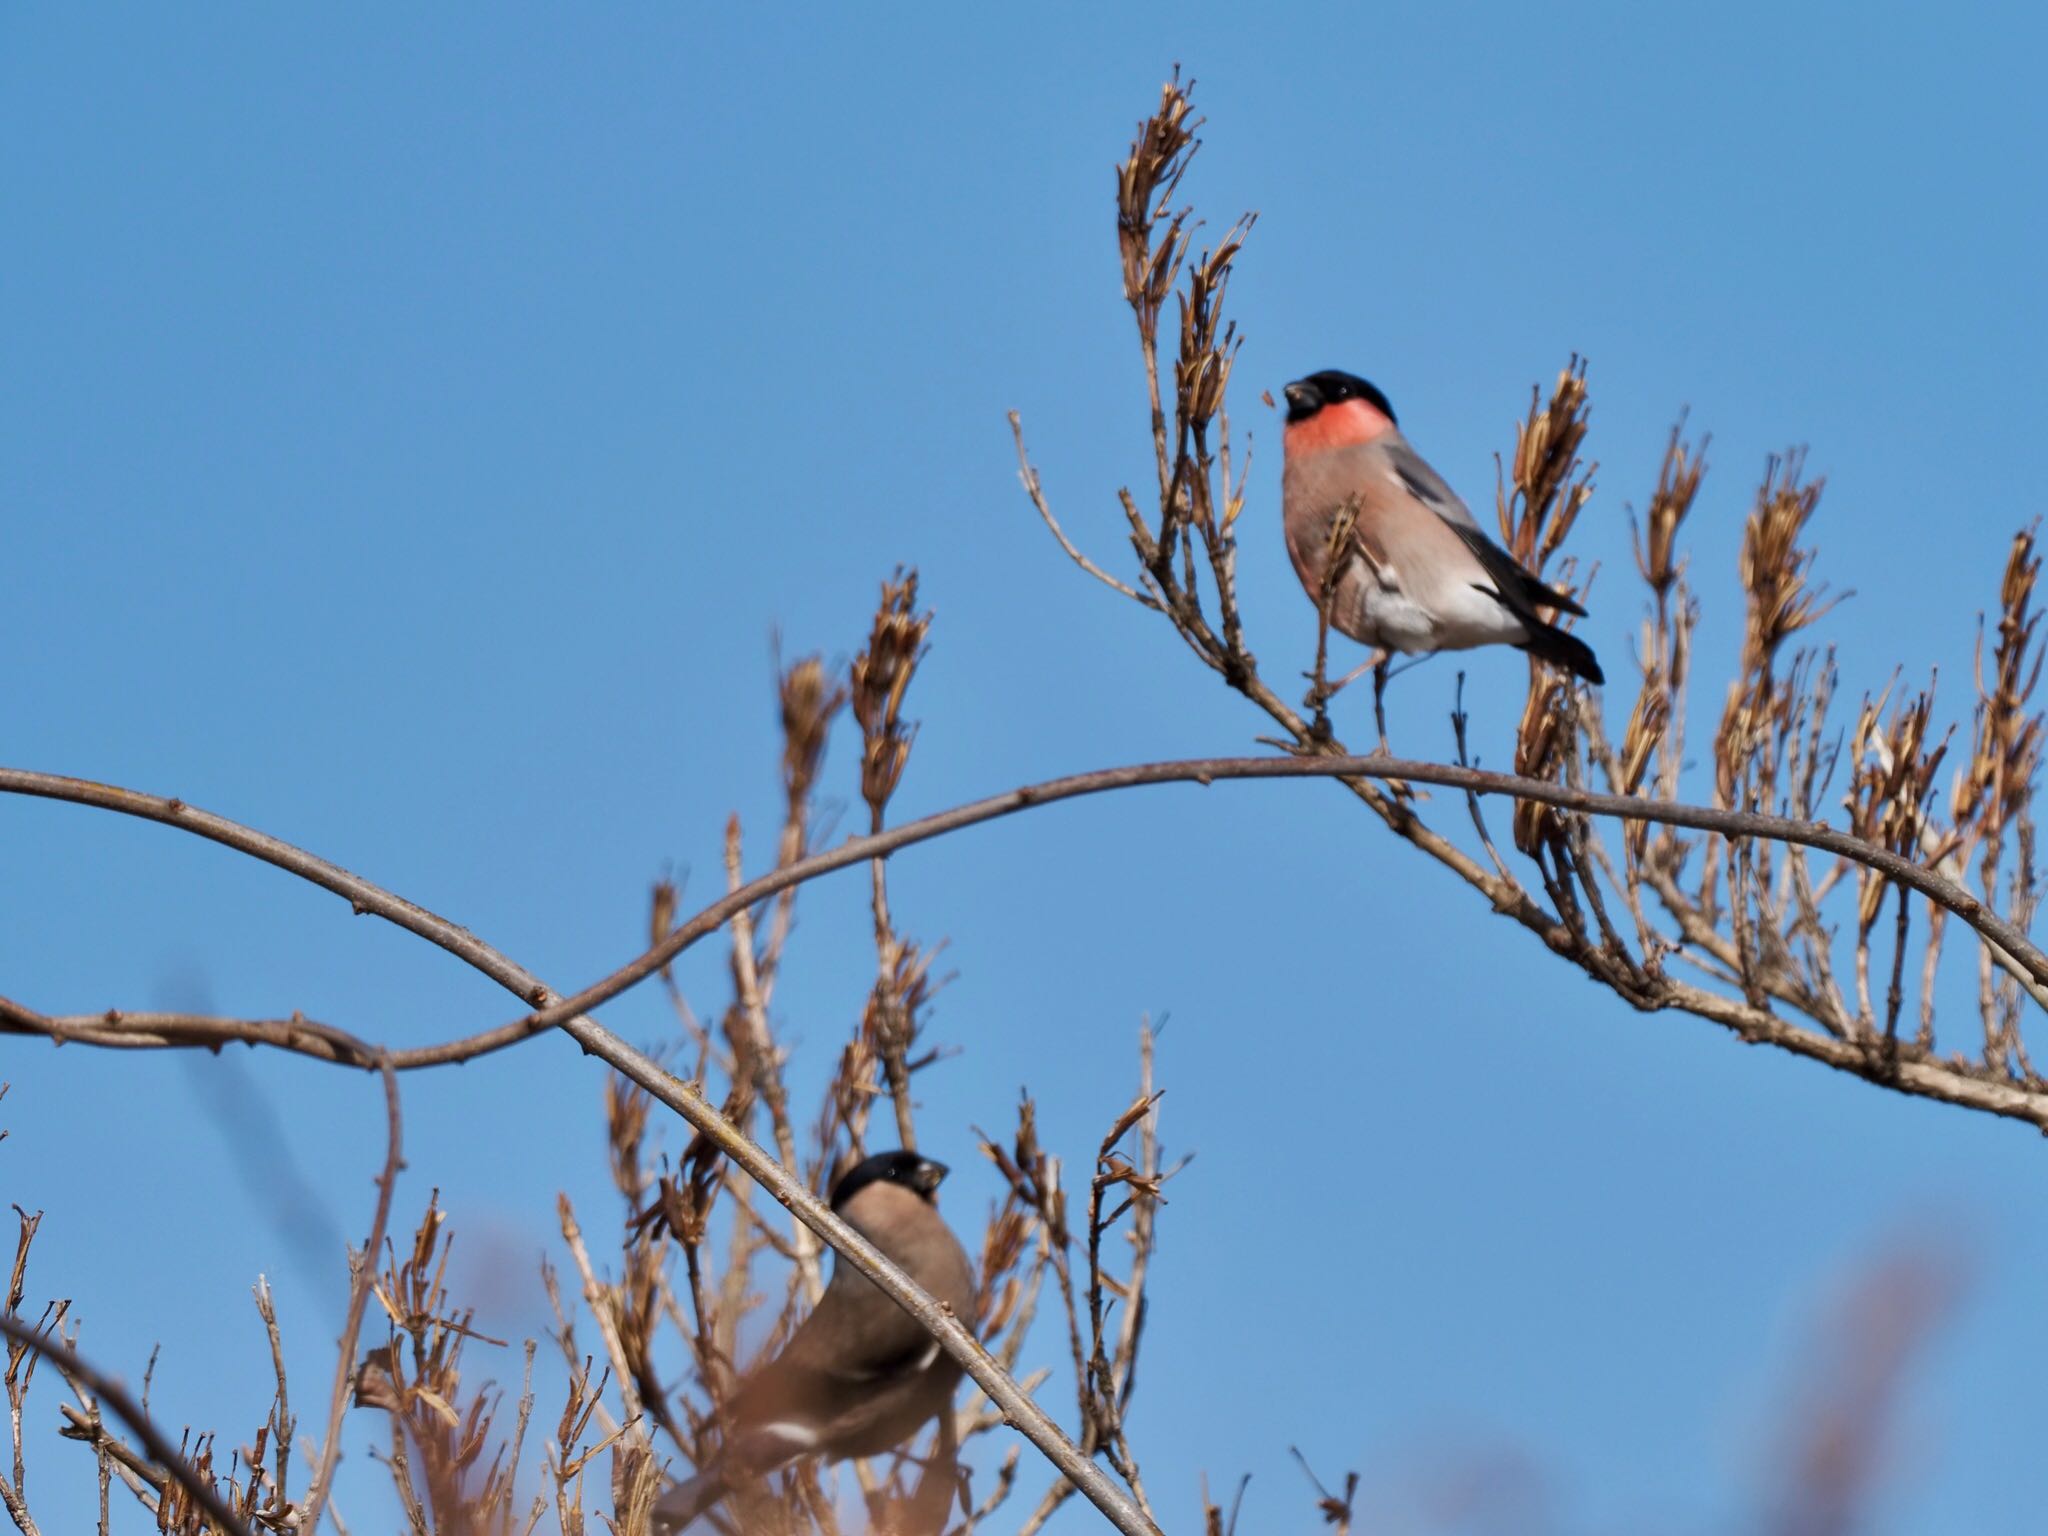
(1678, 484)
(881, 677)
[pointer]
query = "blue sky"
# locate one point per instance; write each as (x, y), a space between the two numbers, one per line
(414, 425)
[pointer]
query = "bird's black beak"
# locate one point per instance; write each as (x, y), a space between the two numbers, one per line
(929, 1176)
(1303, 400)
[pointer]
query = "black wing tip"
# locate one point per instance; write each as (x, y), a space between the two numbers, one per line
(1508, 575)
(1563, 602)
(1563, 649)
(1542, 594)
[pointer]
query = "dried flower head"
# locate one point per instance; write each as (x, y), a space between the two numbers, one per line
(1541, 743)
(1995, 788)
(1208, 345)
(1775, 568)
(661, 914)
(1640, 739)
(1893, 782)
(1146, 182)
(1678, 485)
(809, 700)
(1550, 487)
(881, 677)
(1782, 600)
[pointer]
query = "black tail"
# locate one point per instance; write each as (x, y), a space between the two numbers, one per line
(1561, 648)
(686, 1501)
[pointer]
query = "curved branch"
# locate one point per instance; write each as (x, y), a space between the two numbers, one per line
(119, 1029)
(1927, 1077)
(115, 1396)
(552, 1010)
(785, 1186)
(363, 895)
(1204, 771)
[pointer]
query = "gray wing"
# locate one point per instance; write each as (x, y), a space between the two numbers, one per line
(1426, 485)
(1515, 586)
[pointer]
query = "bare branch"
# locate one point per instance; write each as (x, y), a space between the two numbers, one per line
(364, 1266)
(111, 1392)
(120, 1029)
(282, 1425)
(1932, 1077)
(1036, 492)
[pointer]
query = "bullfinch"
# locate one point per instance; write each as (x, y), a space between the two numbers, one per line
(1416, 572)
(860, 1375)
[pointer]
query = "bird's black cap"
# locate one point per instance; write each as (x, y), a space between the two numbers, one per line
(1307, 396)
(919, 1174)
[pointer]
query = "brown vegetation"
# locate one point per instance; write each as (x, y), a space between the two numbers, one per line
(1767, 920)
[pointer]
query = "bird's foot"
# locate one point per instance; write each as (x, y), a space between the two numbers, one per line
(1322, 689)
(1316, 703)
(1400, 789)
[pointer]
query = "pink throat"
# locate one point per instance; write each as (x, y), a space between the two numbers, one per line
(1346, 424)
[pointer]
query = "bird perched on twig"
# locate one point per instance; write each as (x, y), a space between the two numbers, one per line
(860, 1375)
(1404, 566)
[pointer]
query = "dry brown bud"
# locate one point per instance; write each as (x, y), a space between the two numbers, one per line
(1540, 745)
(1549, 488)
(808, 701)
(1678, 484)
(661, 913)
(1145, 185)
(881, 677)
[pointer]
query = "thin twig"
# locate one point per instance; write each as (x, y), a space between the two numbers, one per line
(765, 1063)
(283, 1426)
(137, 1473)
(597, 1297)
(1037, 494)
(365, 1266)
(111, 1392)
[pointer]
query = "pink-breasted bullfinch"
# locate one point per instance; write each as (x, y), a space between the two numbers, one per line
(1417, 573)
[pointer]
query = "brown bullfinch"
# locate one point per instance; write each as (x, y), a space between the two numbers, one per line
(1416, 573)
(860, 1375)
